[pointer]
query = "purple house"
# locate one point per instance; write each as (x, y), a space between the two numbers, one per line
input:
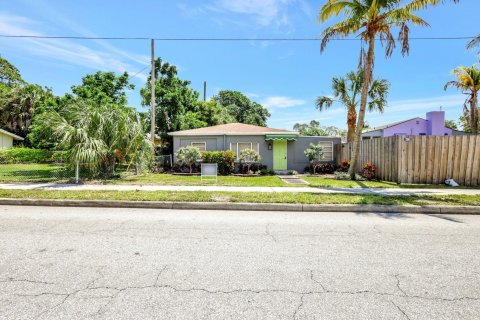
(434, 125)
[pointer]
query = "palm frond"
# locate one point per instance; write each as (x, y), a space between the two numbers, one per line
(323, 102)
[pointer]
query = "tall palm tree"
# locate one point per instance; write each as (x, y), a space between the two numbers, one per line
(18, 105)
(371, 19)
(468, 82)
(347, 90)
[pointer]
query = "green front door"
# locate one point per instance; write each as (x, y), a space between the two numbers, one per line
(280, 155)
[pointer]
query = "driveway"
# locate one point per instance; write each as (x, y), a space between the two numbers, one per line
(82, 263)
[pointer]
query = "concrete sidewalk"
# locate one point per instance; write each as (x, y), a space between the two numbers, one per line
(88, 187)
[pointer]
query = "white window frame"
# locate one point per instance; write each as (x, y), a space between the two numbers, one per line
(204, 145)
(251, 147)
(331, 149)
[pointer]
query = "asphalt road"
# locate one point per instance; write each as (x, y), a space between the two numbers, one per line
(83, 263)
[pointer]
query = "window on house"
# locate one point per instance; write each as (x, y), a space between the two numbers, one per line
(202, 146)
(327, 147)
(423, 134)
(237, 147)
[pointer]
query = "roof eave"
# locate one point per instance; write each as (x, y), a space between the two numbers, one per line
(229, 133)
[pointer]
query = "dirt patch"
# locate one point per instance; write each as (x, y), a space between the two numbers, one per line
(221, 198)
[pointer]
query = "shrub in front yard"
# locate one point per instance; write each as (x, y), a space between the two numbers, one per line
(188, 156)
(243, 168)
(345, 176)
(267, 172)
(344, 166)
(369, 171)
(249, 157)
(314, 153)
(27, 155)
(224, 159)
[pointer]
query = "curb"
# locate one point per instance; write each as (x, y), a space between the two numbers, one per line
(243, 206)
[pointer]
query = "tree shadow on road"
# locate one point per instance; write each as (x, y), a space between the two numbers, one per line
(385, 215)
(443, 217)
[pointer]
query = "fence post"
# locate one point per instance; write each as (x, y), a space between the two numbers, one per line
(77, 173)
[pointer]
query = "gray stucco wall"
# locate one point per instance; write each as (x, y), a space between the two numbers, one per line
(296, 159)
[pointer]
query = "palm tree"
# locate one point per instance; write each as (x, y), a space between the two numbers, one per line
(98, 135)
(18, 105)
(371, 19)
(347, 91)
(468, 82)
(474, 42)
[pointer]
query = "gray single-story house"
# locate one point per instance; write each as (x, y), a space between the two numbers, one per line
(280, 149)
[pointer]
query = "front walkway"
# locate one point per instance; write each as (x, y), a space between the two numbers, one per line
(381, 191)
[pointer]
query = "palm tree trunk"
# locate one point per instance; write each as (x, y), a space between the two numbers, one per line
(351, 122)
(363, 106)
(474, 113)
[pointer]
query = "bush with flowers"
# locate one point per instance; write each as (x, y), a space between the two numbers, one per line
(344, 166)
(369, 171)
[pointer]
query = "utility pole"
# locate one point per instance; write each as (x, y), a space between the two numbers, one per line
(152, 96)
(204, 90)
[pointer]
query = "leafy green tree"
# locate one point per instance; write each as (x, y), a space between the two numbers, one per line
(241, 108)
(347, 90)
(173, 99)
(249, 157)
(371, 19)
(451, 124)
(104, 87)
(315, 155)
(310, 129)
(467, 80)
(188, 156)
(9, 75)
(314, 129)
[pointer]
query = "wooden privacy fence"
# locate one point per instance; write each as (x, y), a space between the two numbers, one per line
(420, 159)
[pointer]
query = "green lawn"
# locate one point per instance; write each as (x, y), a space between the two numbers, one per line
(54, 173)
(255, 197)
(169, 179)
(34, 172)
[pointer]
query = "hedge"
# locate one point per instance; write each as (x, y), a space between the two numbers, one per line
(224, 159)
(26, 155)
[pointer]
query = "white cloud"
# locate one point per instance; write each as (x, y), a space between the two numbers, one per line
(426, 104)
(263, 12)
(72, 52)
(282, 102)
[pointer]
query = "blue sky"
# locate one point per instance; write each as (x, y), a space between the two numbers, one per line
(283, 76)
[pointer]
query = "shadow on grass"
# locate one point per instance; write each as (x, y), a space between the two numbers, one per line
(361, 184)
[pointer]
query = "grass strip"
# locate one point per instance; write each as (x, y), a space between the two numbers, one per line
(252, 197)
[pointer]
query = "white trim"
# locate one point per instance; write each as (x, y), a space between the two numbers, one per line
(331, 143)
(251, 147)
(14, 136)
(204, 145)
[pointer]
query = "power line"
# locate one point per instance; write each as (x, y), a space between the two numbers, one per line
(217, 39)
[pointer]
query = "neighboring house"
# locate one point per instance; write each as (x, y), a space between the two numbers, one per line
(280, 149)
(434, 125)
(6, 139)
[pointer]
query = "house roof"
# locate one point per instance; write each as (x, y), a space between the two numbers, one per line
(231, 129)
(390, 125)
(14, 136)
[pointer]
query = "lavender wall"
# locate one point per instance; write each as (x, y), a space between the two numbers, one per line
(435, 126)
